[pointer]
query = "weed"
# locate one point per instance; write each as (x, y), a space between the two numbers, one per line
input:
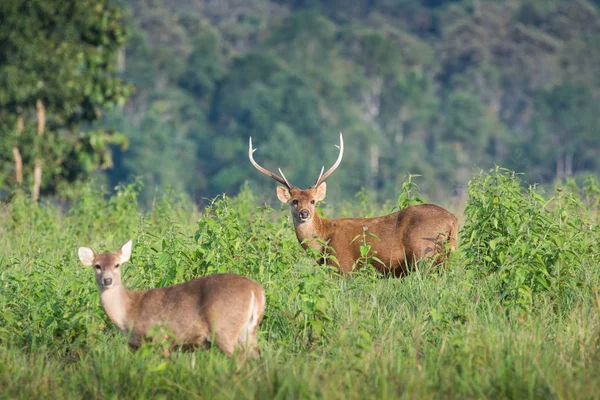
(514, 313)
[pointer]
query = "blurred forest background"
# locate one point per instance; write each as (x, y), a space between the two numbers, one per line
(170, 90)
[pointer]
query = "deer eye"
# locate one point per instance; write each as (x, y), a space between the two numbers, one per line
(117, 265)
(312, 201)
(295, 202)
(98, 267)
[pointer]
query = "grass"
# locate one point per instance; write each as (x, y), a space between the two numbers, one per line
(447, 333)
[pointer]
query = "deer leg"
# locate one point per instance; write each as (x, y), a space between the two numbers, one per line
(253, 345)
(345, 265)
(134, 343)
(248, 343)
(225, 344)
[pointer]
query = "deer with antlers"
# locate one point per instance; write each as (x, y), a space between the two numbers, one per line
(397, 240)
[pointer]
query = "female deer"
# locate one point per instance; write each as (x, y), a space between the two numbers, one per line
(224, 308)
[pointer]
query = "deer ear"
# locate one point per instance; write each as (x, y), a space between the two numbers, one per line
(283, 194)
(320, 193)
(86, 256)
(124, 252)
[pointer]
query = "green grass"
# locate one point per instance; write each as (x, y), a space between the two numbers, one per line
(462, 331)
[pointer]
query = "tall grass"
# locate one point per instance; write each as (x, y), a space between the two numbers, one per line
(514, 314)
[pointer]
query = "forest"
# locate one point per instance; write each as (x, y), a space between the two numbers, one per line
(130, 120)
(170, 91)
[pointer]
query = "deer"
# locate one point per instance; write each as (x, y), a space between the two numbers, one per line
(398, 240)
(222, 308)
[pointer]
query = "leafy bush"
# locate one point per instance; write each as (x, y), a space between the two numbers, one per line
(459, 330)
(535, 245)
(260, 245)
(409, 194)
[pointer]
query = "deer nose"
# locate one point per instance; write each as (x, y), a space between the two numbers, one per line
(304, 214)
(107, 281)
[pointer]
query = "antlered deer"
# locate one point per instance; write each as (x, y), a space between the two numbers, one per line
(414, 233)
(224, 308)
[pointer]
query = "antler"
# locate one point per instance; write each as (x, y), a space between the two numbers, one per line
(283, 180)
(322, 176)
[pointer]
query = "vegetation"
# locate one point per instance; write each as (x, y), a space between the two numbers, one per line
(429, 87)
(57, 71)
(515, 313)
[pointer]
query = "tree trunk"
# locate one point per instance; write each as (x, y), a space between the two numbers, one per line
(17, 153)
(37, 172)
(569, 163)
(121, 60)
(373, 166)
(560, 167)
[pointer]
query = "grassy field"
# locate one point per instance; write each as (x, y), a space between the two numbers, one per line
(515, 313)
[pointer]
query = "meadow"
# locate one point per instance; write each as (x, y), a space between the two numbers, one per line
(515, 312)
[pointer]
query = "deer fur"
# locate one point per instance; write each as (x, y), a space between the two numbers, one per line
(224, 309)
(415, 233)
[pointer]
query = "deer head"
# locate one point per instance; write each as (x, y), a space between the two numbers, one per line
(106, 265)
(302, 202)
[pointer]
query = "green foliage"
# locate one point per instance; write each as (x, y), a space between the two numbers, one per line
(178, 150)
(448, 332)
(368, 257)
(567, 115)
(534, 245)
(315, 292)
(409, 193)
(205, 65)
(63, 58)
(461, 83)
(61, 55)
(260, 245)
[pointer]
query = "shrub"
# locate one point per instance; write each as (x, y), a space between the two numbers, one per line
(533, 244)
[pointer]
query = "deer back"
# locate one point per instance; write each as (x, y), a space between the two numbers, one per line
(223, 302)
(396, 240)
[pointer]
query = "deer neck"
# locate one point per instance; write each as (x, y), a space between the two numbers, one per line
(116, 302)
(310, 232)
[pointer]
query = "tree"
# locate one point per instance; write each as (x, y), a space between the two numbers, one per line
(204, 65)
(262, 98)
(430, 87)
(58, 67)
(569, 116)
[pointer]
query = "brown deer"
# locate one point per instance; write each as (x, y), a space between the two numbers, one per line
(402, 238)
(223, 308)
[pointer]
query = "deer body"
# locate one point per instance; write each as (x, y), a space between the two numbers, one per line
(417, 232)
(402, 238)
(224, 308)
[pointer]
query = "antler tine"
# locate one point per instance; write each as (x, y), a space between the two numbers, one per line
(288, 184)
(322, 176)
(283, 180)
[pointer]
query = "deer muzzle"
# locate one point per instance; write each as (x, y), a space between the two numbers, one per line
(304, 214)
